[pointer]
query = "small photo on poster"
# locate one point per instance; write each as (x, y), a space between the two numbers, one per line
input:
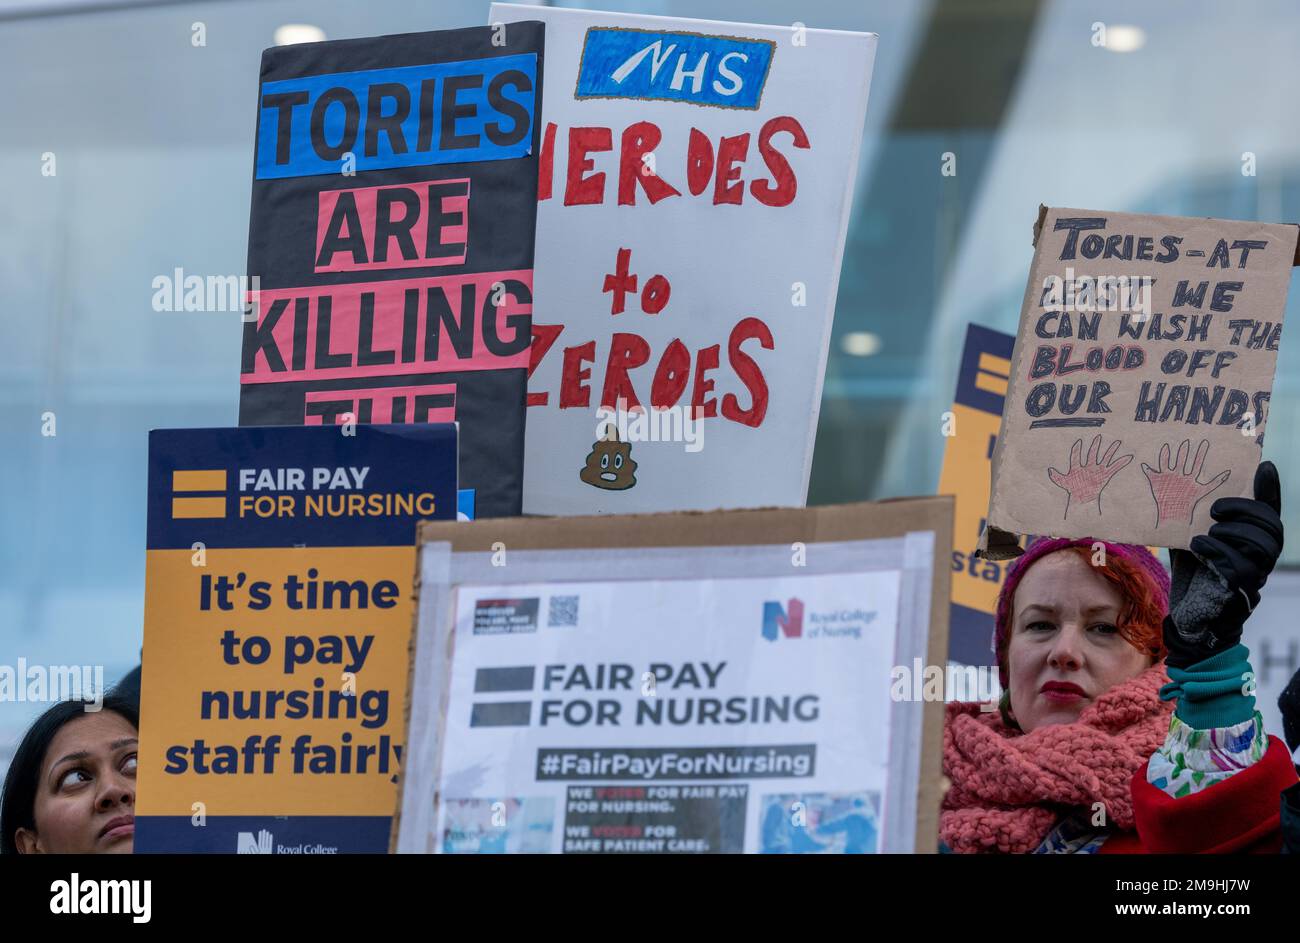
(497, 826)
(820, 823)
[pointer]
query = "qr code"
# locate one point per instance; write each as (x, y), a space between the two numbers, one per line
(564, 611)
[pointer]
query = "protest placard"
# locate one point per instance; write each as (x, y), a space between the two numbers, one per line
(696, 184)
(971, 433)
(277, 633)
(393, 210)
(680, 683)
(1141, 376)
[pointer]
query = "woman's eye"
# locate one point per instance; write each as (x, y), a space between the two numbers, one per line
(74, 777)
(129, 764)
(1105, 628)
(1040, 627)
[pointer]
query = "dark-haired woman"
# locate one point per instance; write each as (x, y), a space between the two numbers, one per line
(71, 784)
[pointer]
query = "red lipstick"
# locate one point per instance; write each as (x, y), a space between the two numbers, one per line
(1062, 692)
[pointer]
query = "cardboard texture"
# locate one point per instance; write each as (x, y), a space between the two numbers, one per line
(739, 528)
(1140, 377)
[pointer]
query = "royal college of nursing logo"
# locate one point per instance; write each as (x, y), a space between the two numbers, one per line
(787, 620)
(249, 844)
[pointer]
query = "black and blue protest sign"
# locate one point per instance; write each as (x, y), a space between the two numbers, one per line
(392, 236)
(436, 113)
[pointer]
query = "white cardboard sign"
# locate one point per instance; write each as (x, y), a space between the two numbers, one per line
(696, 183)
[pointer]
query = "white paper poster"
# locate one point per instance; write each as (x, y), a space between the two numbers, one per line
(695, 186)
(670, 716)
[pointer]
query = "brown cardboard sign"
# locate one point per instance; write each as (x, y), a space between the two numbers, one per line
(1141, 376)
(679, 682)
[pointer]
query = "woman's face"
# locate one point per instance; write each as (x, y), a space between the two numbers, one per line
(1065, 650)
(85, 797)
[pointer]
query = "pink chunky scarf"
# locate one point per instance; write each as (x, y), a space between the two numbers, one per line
(1010, 788)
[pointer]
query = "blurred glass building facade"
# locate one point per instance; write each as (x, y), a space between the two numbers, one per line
(152, 138)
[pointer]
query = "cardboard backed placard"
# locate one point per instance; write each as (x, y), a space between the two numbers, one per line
(392, 226)
(696, 184)
(1141, 376)
(691, 682)
(276, 633)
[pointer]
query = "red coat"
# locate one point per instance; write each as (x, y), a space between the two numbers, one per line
(1239, 814)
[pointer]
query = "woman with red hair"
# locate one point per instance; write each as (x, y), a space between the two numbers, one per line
(1127, 721)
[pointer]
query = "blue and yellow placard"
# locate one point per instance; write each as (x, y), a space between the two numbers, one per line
(976, 418)
(277, 624)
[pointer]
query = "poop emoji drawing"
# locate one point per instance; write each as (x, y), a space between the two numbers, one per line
(609, 464)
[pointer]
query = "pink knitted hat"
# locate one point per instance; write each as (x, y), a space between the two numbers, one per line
(1143, 561)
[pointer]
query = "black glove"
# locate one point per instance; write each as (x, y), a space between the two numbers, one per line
(1288, 702)
(1216, 585)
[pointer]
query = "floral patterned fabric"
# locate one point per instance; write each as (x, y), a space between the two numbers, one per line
(1191, 760)
(1074, 835)
(1188, 761)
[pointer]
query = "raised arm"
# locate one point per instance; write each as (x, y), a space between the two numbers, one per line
(1215, 784)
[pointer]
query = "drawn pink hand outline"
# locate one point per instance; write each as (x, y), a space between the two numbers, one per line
(1175, 488)
(1087, 478)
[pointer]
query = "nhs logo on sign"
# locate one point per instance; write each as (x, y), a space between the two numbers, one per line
(723, 71)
